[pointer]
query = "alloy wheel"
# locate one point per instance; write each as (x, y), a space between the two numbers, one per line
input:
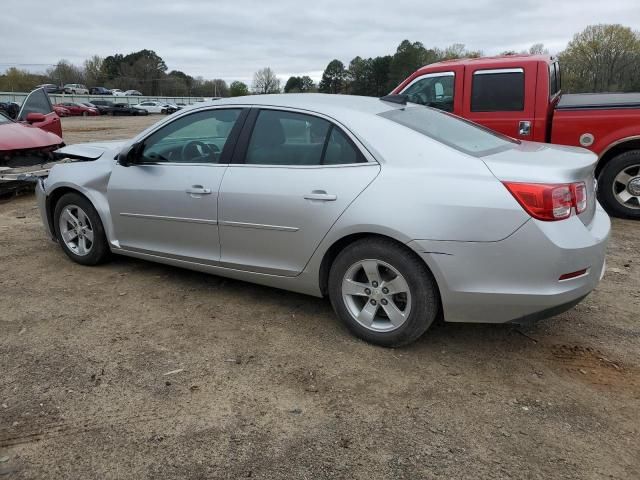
(376, 295)
(626, 187)
(76, 230)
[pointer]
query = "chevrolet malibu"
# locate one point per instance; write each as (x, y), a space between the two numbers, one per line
(397, 212)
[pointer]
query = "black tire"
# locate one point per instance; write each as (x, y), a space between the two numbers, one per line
(606, 185)
(425, 303)
(99, 251)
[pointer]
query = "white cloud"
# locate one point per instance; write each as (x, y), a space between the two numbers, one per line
(231, 40)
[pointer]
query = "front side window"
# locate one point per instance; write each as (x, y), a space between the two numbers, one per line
(433, 90)
(289, 138)
(498, 90)
(450, 130)
(196, 138)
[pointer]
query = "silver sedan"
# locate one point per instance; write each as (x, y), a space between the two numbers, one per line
(399, 213)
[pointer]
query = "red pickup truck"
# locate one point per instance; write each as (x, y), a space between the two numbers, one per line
(520, 96)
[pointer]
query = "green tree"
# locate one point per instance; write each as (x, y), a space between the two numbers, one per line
(307, 84)
(238, 89)
(293, 85)
(601, 58)
(407, 59)
(361, 77)
(334, 78)
(380, 68)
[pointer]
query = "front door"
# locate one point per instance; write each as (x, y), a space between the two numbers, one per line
(293, 178)
(166, 203)
(38, 102)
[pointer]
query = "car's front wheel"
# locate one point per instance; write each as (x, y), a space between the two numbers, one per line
(383, 293)
(79, 230)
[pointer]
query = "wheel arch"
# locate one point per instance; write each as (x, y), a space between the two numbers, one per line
(615, 149)
(340, 244)
(54, 197)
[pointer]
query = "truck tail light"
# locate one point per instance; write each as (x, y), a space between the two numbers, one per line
(549, 202)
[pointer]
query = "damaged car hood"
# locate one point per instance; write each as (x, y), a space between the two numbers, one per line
(90, 151)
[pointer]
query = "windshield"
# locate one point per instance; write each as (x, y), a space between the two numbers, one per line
(446, 128)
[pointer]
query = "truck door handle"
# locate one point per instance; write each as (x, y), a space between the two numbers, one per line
(321, 195)
(198, 190)
(524, 128)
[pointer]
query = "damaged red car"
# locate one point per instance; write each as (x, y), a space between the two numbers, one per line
(30, 139)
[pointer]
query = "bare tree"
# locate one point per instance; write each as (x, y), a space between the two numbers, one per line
(266, 81)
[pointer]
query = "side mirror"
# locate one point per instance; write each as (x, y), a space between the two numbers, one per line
(34, 117)
(131, 155)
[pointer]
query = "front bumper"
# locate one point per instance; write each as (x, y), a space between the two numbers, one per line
(518, 278)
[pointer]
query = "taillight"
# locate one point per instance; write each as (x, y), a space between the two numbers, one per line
(549, 202)
(579, 191)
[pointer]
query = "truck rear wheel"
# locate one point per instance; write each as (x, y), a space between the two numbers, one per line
(619, 185)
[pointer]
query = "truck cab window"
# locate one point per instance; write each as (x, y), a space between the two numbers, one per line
(433, 90)
(500, 90)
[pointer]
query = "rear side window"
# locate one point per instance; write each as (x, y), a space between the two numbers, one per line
(450, 130)
(498, 90)
(296, 139)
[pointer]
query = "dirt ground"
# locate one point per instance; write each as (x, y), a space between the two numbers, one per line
(143, 371)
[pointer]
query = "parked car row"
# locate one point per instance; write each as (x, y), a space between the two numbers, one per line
(106, 107)
(80, 89)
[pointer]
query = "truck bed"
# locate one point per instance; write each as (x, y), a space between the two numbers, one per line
(597, 101)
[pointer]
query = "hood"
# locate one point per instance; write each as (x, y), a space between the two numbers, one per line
(90, 151)
(19, 136)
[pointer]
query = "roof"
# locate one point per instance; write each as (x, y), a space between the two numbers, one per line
(502, 59)
(316, 102)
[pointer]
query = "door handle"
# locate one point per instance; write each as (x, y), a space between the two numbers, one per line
(198, 190)
(524, 128)
(321, 195)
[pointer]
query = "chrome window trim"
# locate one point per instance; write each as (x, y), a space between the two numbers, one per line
(429, 75)
(498, 70)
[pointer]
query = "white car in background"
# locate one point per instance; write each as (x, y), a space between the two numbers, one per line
(157, 107)
(76, 89)
(116, 92)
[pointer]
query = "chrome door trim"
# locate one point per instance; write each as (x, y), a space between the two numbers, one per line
(170, 219)
(429, 75)
(259, 226)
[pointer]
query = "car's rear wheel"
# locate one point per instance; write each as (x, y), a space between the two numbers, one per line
(382, 292)
(79, 230)
(619, 185)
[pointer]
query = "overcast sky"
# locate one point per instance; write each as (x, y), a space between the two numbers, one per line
(232, 39)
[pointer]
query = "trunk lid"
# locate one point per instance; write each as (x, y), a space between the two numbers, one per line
(531, 162)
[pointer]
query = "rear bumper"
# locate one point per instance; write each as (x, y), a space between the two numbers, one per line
(517, 279)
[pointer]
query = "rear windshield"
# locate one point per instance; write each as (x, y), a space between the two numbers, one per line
(455, 132)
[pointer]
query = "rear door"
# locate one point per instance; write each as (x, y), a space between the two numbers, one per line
(292, 176)
(38, 102)
(496, 98)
